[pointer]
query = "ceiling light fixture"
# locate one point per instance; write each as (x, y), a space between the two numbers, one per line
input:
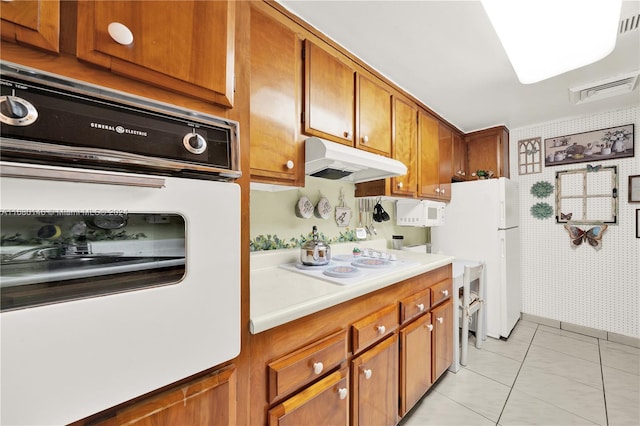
(545, 38)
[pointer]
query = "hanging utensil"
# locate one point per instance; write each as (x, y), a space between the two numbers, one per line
(343, 214)
(361, 233)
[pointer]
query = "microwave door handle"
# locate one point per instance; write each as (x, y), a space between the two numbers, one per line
(29, 172)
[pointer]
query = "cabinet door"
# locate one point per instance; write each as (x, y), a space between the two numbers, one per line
(459, 162)
(324, 403)
(183, 46)
(374, 117)
(442, 318)
(36, 23)
(405, 147)
(329, 90)
(277, 149)
(210, 400)
(429, 160)
(445, 151)
(489, 150)
(375, 385)
(415, 362)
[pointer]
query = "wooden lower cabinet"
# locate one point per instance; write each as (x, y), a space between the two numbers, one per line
(208, 400)
(374, 378)
(442, 319)
(325, 402)
(415, 362)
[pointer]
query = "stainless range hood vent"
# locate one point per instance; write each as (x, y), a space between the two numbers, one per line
(330, 160)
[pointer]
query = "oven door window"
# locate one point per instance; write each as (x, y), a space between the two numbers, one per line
(60, 256)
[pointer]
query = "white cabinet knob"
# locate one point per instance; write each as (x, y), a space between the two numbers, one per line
(290, 164)
(365, 139)
(442, 191)
(347, 134)
(342, 393)
(445, 293)
(437, 190)
(318, 367)
(400, 185)
(120, 33)
(381, 329)
(440, 320)
(420, 307)
(430, 327)
(367, 373)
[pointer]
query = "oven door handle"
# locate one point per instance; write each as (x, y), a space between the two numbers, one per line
(30, 172)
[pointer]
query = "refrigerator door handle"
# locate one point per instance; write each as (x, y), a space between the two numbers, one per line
(502, 248)
(503, 214)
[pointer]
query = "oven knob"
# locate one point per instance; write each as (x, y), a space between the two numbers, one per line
(16, 111)
(194, 143)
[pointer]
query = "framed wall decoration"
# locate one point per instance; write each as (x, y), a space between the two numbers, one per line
(634, 189)
(606, 144)
(587, 196)
(530, 156)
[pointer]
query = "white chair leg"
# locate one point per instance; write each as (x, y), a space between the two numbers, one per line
(479, 326)
(464, 339)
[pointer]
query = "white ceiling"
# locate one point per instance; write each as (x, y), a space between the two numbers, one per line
(447, 55)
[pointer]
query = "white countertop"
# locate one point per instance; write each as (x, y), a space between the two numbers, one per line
(279, 296)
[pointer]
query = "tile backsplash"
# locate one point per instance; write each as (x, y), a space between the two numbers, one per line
(274, 223)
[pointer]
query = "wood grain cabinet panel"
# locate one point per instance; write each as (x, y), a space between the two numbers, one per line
(445, 158)
(34, 23)
(440, 292)
(301, 367)
(489, 150)
(375, 385)
(324, 403)
(429, 156)
(405, 147)
(459, 162)
(442, 320)
(373, 117)
(415, 362)
(329, 92)
(374, 327)
(277, 148)
(183, 46)
(209, 400)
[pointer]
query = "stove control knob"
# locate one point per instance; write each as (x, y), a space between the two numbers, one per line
(16, 111)
(194, 143)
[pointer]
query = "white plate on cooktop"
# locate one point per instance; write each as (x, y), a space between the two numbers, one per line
(342, 271)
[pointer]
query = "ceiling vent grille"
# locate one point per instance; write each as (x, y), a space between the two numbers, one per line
(629, 24)
(614, 86)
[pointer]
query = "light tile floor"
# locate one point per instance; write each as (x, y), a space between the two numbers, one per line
(539, 376)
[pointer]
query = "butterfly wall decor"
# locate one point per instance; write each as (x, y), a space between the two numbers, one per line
(593, 236)
(565, 216)
(591, 168)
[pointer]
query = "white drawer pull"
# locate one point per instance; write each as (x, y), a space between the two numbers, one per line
(318, 367)
(440, 320)
(420, 307)
(445, 293)
(367, 373)
(342, 393)
(430, 327)
(120, 33)
(290, 164)
(381, 329)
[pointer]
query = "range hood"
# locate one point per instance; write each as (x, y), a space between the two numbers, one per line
(331, 160)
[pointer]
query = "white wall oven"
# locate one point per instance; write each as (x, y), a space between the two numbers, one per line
(119, 246)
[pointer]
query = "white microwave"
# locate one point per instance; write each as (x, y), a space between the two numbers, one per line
(419, 213)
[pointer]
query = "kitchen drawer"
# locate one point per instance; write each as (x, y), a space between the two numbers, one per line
(415, 305)
(440, 292)
(374, 327)
(291, 372)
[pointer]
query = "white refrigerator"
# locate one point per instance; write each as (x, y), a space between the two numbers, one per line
(481, 223)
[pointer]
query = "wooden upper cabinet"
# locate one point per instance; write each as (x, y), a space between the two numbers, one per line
(405, 147)
(277, 147)
(182, 46)
(373, 117)
(459, 162)
(445, 150)
(429, 159)
(489, 150)
(329, 93)
(34, 23)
